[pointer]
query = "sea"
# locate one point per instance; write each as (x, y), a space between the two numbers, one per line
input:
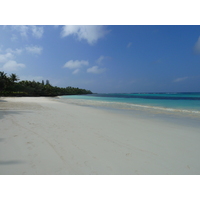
(158, 105)
(175, 102)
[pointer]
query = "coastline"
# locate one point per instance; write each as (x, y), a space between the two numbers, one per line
(41, 135)
(175, 104)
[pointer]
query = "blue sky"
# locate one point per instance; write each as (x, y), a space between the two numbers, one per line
(105, 58)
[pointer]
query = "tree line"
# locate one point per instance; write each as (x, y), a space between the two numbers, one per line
(11, 86)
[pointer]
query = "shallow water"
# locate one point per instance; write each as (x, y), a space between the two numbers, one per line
(173, 103)
(183, 117)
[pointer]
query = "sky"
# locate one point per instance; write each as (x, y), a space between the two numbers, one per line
(105, 58)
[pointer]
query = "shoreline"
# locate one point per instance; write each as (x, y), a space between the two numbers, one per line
(142, 111)
(41, 135)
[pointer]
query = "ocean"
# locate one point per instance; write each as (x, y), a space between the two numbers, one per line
(170, 103)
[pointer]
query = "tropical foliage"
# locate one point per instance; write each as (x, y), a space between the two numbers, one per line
(11, 86)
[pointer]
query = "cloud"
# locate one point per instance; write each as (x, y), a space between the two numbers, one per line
(37, 31)
(95, 70)
(180, 79)
(197, 46)
(9, 55)
(100, 59)
(12, 65)
(23, 30)
(29, 49)
(76, 71)
(16, 51)
(129, 44)
(34, 49)
(75, 64)
(90, 33)
(5, 57)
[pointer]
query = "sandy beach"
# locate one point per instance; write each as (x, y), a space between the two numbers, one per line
(43, 136)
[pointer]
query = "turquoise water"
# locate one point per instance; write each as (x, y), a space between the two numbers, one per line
(173, 102)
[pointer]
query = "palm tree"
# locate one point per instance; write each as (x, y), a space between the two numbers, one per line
(13, 78)
(4, 80)
(3, 75)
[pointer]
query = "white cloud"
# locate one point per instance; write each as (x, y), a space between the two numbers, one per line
(95, 70)
(16, 51)
(90, 33)
(76, 71)
(75, 64)
(197, 46)
(129, 44)
(24, 30)
(12, 65)
(29, 49)
(34, 49)
(180, 79)
(9, 56)
(100, 59)
(5, 57)
(37, 31)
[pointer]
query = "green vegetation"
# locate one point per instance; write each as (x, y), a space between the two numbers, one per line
(11, 86)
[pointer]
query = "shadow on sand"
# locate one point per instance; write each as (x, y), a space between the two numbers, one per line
(3, 113)
(11, 162)
(1, 100)
(7, 110)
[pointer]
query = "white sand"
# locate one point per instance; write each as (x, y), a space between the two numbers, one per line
(44, 136)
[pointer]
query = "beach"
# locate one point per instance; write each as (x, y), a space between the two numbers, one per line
(44, 136)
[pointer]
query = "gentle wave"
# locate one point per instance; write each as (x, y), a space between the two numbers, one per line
(129, 106)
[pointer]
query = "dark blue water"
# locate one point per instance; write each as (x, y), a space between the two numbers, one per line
(163, 96)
